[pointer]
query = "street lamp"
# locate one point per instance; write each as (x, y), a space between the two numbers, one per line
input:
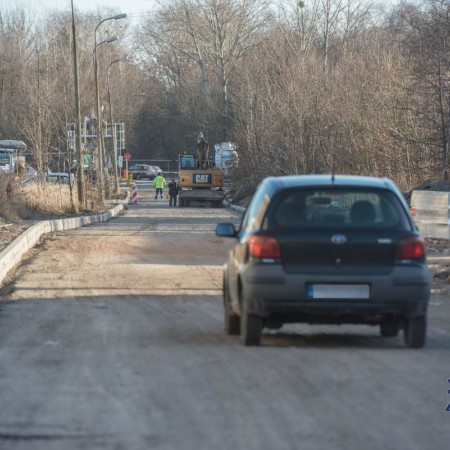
(108, 40)
(99, 120)
(116, 175)
(99, 127)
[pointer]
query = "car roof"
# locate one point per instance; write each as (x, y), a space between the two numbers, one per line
(292, 181)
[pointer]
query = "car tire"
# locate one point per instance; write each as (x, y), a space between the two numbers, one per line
(415, 332)
(388, 330)
(251, 327)
(231, 321)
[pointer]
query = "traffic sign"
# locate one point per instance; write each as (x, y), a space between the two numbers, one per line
(127, 156)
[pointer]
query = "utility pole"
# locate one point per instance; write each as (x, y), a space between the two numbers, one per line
(80, 171)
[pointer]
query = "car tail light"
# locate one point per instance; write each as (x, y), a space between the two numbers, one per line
(411, 248)
(264, 247)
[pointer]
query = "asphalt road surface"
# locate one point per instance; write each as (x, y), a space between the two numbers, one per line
(112, 338)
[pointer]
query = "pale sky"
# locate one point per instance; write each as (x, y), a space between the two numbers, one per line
(133, 8)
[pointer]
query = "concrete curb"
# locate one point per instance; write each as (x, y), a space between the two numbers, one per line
(236, 208)
(434, 259)
(12, 255)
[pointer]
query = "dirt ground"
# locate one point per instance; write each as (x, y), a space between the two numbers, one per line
(438, 250)
(112, 337)
(438, 256)
(9, 231)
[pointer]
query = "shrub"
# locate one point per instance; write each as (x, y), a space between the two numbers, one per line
(35, 199)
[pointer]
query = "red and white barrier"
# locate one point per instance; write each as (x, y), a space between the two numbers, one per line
(133, 194)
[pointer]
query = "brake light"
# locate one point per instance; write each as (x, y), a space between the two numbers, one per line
(411, 248)
(264, 247)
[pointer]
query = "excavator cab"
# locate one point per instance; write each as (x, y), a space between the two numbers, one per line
(187, 162)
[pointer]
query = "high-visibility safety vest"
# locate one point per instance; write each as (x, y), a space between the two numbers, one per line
(159, 182)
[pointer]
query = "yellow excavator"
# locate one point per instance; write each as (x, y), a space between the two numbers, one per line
(200, 183)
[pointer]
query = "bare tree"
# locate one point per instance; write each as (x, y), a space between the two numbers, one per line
(331, 11)
(213, 34)
(427, 39)
(294, 118)
(236, 28)
(301, 20)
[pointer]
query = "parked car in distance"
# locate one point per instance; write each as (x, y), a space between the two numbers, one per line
(325, 249)
(156, 170)
(51, 177)
(140, 171)
(31, 171)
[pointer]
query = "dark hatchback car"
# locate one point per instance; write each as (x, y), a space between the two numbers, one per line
(140, 171)
(325, 249)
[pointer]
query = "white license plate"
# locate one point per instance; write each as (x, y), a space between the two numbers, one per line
(332, 291)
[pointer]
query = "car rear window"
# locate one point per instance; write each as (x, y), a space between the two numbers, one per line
(331, 208)
(64, 179)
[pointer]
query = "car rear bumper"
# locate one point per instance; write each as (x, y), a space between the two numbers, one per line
(332, 313)
(271, 292)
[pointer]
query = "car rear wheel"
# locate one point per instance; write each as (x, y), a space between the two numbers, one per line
(388, 330)
(232, 322)
(415, 332)
(251, 327)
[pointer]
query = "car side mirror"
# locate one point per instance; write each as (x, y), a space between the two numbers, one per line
(225, 230)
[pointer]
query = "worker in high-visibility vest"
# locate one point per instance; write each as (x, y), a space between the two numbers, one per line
(159, 182)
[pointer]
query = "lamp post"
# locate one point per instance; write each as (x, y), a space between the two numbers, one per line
(99, 125)
(99, 120)
(113, 134)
